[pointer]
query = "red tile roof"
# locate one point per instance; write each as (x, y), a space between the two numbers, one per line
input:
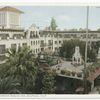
(10, 9)
(94, 75)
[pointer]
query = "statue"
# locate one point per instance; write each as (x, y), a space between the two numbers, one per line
(77, 59)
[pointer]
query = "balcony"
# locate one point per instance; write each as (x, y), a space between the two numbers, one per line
(4, 36)
(43, 44)
(50, 44)
(12, 29)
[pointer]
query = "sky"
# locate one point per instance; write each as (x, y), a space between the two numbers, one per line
(67, 17)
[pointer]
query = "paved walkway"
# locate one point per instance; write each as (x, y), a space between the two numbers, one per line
(66, 65)
(95, 90)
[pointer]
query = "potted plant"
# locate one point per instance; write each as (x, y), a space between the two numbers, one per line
(63, 72)
(79, 74)
(68, 73)
(73, 73)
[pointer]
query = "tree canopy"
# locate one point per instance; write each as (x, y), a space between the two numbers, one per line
(68, 48)
(21, 73)
(53, 24)
(21, 66)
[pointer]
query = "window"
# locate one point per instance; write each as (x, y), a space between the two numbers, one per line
(24, 44)
(2, 52)
(32, 34)
(4, 36)
(59, 42)
(42, 49)
(36, 42)
(49, 48)
(55, 42)
(36, 50)
(42, 41)
(36, 36)
(48, 35)
(55, 48)
(18, 44)
(13, 45)
(2, 49)
(31, 42)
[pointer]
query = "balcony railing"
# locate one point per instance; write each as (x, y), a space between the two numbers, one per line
(50, 44)
(43, 44)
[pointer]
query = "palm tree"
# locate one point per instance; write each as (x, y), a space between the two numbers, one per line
(53, 24)
(48, 83)
(9, 85)
(22, 66)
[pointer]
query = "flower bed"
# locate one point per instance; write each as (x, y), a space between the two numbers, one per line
(68, 73)
(65, 72)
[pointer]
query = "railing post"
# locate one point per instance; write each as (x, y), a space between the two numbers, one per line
(92, 85)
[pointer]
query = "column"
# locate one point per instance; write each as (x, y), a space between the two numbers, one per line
(8, 18)
(92, 85)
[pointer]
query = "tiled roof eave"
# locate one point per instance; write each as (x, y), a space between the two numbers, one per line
(10, 9)
(17, 30)
(69, 31)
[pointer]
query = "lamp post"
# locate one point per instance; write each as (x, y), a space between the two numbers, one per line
(86, 46)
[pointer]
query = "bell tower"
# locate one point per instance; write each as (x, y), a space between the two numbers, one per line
(10, 18)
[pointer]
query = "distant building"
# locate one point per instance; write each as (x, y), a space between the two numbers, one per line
(12, 35)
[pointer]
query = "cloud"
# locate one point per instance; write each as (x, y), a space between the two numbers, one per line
(38, 14)
(63, 18)
(62, 21)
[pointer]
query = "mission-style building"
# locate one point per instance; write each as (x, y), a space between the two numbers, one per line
(13, 35)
